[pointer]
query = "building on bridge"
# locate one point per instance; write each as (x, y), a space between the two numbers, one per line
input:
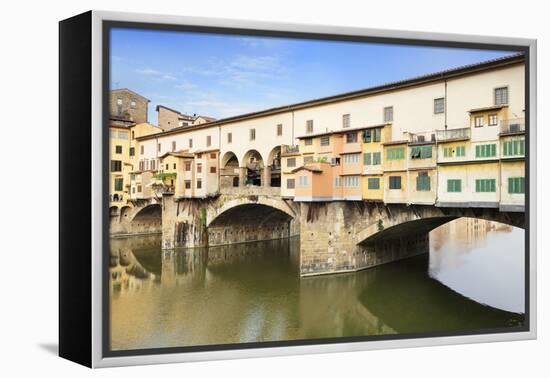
(452, 139)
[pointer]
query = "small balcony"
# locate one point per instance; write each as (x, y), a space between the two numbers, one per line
(289, 150)
(421, 138)
(449, 135)
(512, 126)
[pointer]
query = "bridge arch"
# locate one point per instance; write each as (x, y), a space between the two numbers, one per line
(401, 220)
(230, 170)
(239, 204)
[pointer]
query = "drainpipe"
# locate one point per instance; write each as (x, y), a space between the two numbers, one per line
(445, 103)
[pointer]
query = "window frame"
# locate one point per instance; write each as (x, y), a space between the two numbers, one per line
(438, 105)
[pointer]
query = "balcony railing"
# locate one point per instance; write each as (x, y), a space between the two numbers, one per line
(422, 137)
(512, 126)
(453, 134)
(290, 149)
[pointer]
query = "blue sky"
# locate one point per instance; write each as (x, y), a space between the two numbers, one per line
(222, 76)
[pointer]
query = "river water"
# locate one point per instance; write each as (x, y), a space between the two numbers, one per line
(472, 279)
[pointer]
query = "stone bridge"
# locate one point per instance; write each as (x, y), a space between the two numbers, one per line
(339, 236)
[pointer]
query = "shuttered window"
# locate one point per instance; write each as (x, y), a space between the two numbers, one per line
(291, 162)
(290, 183)
(439, 105)
(421, 152)
(395, 153)
(309, 126)
(501, 96)
(388, 114)
(395, 182)
(373, 183)
(345, 120)
(116, 165)
(460, 151)
(486, 150)
(376, 158)
(516, 185)
(454, 186)
(485, 185)
(423, 182)
(514, 147)
(118, 184)
(367, 158)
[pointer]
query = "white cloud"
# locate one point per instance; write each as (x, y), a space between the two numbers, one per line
(155, 73)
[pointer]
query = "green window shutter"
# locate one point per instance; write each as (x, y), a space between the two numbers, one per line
(426, 152)
(506, 148)
(373, 183)
(376, 158)
(118, 184)
(367, 158)
(478, 151)
(493, 150)
(522, 147)
(493, 185)
(478, 185)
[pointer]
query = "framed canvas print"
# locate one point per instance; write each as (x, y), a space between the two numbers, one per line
(254, 189)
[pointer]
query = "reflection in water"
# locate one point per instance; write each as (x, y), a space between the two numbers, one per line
(252, 292)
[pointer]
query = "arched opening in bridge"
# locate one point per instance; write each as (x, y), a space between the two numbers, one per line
(113, 211)
(229, 174)
(487, 248)
(247, 223)
(274, 167)
(254, 165)
(148, 220)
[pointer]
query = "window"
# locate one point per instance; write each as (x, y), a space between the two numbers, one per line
(291, 162)
(367, 136)
(212, 169)
(351, 158)
(486, 150)
(373, 183)
(208, 141)
(173, 145)
(376, 134)
(132, 151)
(141, 149)
(309, 126)
(290, 183)
(167, 167)
(447, 151)
(229, 137)
(325, 140)
(308, 141)
(116, 165)
(423, 183)
(351, 181)
(351, 138)
(337, 182)
(421, 152)
(307, 159)
(516, 185)
(302, 180)
(133, 135)
(118, 149)
(439, 105)
(376, 158)
(367, 158)
(139, 188)
(119, 101)
(159, 146)
(279, 129)
(141, 165)
(478, 121)
(199, 183)
(395, 153)
(187, 184)
(485, 185)
(153, 165)
(388, 114)
(118, 184)
(454, 186)
(395, 182)
(461, 151)
(501, 96)
(493, 120)
(514, 147)
(133, 104)
(190, 143)
(187, 166)
(345, 120)
(199, 167)
(252, 134)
